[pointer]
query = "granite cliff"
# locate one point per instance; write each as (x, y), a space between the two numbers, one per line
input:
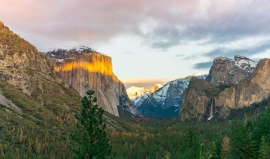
(248, 91)
(204, 100)
(85, 69)
(228, 71)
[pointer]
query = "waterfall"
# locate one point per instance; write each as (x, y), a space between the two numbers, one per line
(211, 109)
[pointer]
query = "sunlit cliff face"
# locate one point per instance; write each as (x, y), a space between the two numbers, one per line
(94, 67)
(91, 71)
(92, 63)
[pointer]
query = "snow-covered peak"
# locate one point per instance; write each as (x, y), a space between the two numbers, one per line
(242, 62)
(61, 52)
(221, 58)
(245, 63)
(134, 92)
(155, 88)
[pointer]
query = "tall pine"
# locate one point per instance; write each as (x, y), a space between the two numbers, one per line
(90, 139)
(241, 144)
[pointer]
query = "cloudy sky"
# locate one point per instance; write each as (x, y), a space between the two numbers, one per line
(147, 39)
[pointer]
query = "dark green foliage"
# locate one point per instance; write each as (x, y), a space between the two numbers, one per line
(190, 144)
(262, 127)
(90, 139)
(166, 138)
(217, 153)
(264, 152)
(241, 144)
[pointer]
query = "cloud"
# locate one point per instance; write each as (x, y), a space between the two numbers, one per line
(226, 51)
(248, 51)
(162, 24)
(203, 65)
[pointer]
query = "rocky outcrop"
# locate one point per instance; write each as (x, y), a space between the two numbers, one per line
(202, 97)
(227, 71)
(196, 100)
(249, 91)
(84, 69)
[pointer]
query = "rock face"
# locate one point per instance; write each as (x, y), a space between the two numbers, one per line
(197, 99)
(227, 71)
(84, 69)
(216, 99)
(165, 101)
(246, 92)
(22, 66)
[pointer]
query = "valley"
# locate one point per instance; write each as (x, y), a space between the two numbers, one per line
(223, 114)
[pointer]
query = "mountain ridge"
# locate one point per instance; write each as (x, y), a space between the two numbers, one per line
(165, 101)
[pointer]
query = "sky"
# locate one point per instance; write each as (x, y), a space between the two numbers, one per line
(148, 40)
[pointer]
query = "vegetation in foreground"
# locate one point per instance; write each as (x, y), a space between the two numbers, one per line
(90, 139)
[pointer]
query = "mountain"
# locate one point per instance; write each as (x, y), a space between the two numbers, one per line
(165, 101)
(230, 71)
(83, 69)
(23, 67)
(35, 104)
(135, 92)
(204, 100)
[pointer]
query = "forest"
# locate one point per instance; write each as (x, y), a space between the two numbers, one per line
(244, 135)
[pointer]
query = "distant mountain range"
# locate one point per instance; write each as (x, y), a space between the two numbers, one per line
(230, 84)
(165, 101)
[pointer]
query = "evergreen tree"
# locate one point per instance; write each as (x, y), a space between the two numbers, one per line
(218, 150)
(90, 139)
(241, 144)
(190, 144)
(264, 149)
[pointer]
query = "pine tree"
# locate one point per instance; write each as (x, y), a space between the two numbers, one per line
(90, 139)
(264, 149)
(241, 144)
(190, 145)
